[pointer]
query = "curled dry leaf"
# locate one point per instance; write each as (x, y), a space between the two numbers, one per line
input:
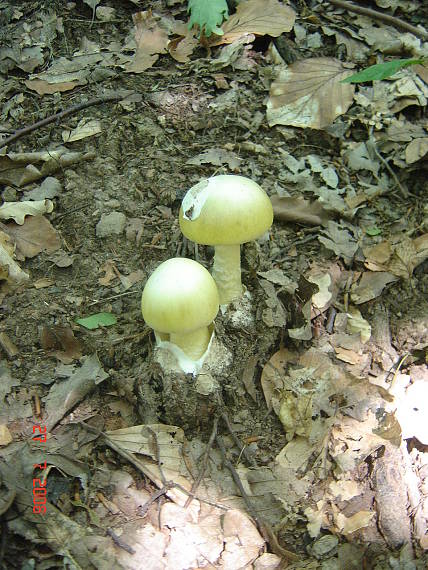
(9, 269)
(258, 17)
(18, 210)
(151, 41)
(308, 93)
(36, 234)
(399, 258)
(61, 342)
(291, 209)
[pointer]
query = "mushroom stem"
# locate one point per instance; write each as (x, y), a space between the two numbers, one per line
(227, 272)
(194, 343)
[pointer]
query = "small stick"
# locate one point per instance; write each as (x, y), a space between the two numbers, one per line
(139, 465)
(198, 480)
(375, 15)
(242, 448)
(117, 540)
(263, 527)
(52, 118)
(142, 511)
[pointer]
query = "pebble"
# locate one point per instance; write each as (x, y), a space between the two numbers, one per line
(111, 224)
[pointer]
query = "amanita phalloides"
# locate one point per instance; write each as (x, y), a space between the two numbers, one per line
(180, 301)
(225, 211)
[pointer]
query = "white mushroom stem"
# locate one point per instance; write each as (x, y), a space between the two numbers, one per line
(194, 343)
(227, 272)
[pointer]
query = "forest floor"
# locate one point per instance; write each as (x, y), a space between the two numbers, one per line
(304, 444)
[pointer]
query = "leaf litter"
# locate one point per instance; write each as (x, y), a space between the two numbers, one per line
(326, 387)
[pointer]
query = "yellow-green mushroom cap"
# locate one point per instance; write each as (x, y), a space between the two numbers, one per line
(180, 296)
(225, 210)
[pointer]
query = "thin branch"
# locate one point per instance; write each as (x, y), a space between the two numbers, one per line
(262, 525)
(242, 449)
(203, 469)
(375, 15)
(52, 118)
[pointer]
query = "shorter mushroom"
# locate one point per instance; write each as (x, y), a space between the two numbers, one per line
(225, 211)
(180, 301)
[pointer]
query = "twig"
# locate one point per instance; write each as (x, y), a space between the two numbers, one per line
(142, 511)
(52, 118)
(139, 465)
(371, 145)
(263, 527)
(203, 469)
(242, 449)
(396, 22)
(117, 540)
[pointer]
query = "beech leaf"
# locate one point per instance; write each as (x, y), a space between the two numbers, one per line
(308, 93)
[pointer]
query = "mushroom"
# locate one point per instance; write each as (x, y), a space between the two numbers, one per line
(179, 301)
(225, 211)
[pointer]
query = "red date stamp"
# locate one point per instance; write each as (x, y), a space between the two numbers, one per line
(39, 485)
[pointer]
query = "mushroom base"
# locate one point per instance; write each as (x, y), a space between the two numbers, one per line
(227, 272)
(194, 344)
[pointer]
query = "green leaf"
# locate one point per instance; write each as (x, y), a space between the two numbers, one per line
(208, 15)
(374, 231)
(97, 320)
(381, 70)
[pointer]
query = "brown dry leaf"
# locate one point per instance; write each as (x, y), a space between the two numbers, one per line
(19, 210)
(243, 542)
(9, 269)
(181, 48)
(111, 273)
(308, 93)
(5, 437)
(349, 356)
(290, 209)
(151, 41)
(417, 149)
(359, 520)
(60, 342)
(35, 235)
(258, 17)
(400, 258)
(44, 88)
(370, 286)
(274, 372)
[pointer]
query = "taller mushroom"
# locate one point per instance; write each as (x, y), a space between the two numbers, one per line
(225, 211)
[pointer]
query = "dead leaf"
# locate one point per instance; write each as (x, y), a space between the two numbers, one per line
(36, 234)
(359, 520)
(19, 168)
(85, 128)
(370, 286)
(43, 87)
(181, 48)
(151, 41)
(18, 210)
(217, 157)
(248, 376)
(339, 240)
(357, 324)
(111, 273)
(274, 372)
(308, 93)
(291, 209)
(61, 342)
(9, 268)
(66, 395)
(258, 17)
(5, 437)
(417, 149)
(398, 258)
